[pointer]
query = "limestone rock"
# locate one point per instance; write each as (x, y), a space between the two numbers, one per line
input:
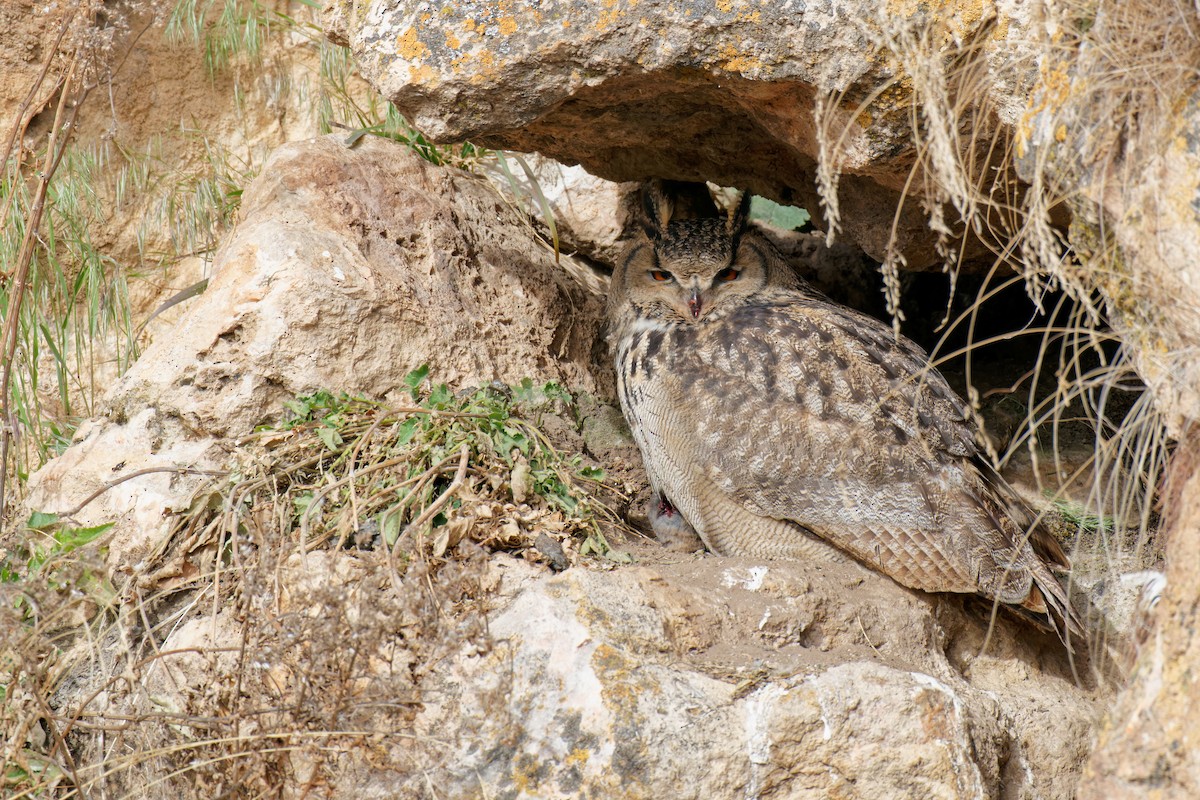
(349, 268)
(729, 678)
(701, 678)
(723, 92)
(590, 214)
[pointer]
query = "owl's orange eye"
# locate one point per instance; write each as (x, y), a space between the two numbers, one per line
(660, 275)
(728, 274)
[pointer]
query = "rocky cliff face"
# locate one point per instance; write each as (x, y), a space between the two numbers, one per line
(1059, 139)
(676, 676)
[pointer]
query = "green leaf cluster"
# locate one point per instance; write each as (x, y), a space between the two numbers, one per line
(50, 540)
(350, 465)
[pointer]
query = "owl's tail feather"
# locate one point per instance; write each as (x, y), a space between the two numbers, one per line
(1048, 597)
(1047, 603)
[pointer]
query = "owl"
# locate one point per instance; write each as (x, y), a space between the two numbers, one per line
(775, 423)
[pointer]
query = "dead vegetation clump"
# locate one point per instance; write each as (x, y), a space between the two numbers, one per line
(279, 640)
(1106, 82)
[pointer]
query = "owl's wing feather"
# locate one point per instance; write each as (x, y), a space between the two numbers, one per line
(839, 399)
(869, 448)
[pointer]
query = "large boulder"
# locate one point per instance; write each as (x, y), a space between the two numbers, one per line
(723, 92)
(733, 678)
(350, 267)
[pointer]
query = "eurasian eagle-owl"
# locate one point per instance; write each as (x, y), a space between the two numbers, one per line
(781, 425)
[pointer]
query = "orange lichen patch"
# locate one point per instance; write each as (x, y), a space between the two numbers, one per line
(610, 15)
(1060, 133)
(896, 97)
(452, 41)
(507, 25)
(725, 6)
(1056, 83)
(1052, 90)
(421, 73)
(409, 47)
(956, 23)
(1021, 137)
(902, 9)
(731, 60)
(484, 68)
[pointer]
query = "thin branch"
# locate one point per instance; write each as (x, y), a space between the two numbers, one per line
(137, 474)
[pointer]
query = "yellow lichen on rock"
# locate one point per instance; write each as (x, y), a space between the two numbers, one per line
(610, 15)
(410, 47)
(730, 59)
(1051, 91)
(485, 67)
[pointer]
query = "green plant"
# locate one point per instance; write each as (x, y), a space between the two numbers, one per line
(419, 478)
(1078, 516)
(52, 593)
(241, 28)
(51, 540)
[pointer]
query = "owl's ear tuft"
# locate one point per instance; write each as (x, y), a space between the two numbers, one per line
(657, 207)
(739, 216)
(664, 202)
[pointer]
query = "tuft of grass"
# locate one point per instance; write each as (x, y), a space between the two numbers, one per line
(231, 30)
(1079, 517)
(1120, 74)
(414, 480)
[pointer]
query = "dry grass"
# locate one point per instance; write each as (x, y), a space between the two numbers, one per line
(1108, 78)
(279, 637)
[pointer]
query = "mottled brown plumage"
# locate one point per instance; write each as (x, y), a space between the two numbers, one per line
(780, 424)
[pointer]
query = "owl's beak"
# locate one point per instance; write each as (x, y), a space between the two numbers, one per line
(695, 303)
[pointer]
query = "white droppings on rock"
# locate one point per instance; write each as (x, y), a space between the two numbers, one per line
(750, 578)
